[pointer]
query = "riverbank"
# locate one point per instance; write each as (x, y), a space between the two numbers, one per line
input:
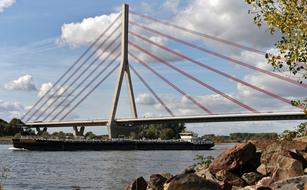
(248, 166)
(6, 140)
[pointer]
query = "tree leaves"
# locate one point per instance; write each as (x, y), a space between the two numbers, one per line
(289, 17)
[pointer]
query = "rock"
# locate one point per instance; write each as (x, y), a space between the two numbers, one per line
(287, 167)
(251, 178)
(189, 170)
(233, 158)
(251, 165)
(201, 167)
(265, 182)
(167, 175)
(230, 178)
(297, 155)
(262, 169)
(137, 184)
(244, 188)
(206, 174)
(156, 182)
(270, 153)
(274, 158)
(294, 183)
(190, 181)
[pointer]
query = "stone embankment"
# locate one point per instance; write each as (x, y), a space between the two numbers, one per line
(246, 166)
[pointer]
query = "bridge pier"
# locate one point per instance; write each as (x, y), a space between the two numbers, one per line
(79, 132)
(121, 130)
(123, 71)
(40, 131)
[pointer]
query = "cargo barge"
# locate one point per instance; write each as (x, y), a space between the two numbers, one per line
(99, 145)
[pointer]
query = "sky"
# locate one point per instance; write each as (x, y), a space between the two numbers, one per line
(40, 40)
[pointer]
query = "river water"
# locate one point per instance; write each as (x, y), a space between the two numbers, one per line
(107, 170)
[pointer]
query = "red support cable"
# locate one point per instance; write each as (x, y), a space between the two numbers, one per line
(195, 79)
(217, 71)
(217, 55)
(69, 69)
(151, 90)
(93, 89)
(77, 78)
(72, 66)
(171, 84)
(200, 34)
(84, 80)
(87, 85)
(73, 74)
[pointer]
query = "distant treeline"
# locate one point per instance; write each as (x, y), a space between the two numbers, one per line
(11, 128)
(158, 131)
(240, 137)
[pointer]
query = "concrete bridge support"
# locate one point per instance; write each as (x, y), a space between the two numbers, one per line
(41, 131)
(123, 71)
(79, 132)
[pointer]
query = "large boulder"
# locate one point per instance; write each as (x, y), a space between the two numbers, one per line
(156, 182)
(270, 154)
(137, 184)
(227, 177)
(276, 153)
(233, 158)
(205, 173)
(190, 181)
(287, 167)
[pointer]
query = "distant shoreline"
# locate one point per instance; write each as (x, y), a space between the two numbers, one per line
(6, 140)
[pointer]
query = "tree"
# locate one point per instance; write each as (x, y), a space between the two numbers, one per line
(289, 18)
(167, 133)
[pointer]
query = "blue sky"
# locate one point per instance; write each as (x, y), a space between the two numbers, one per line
(39, 40)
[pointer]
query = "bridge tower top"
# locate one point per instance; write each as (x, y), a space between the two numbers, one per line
(123, 70)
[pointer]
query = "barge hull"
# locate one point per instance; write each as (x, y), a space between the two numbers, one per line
(64, 145)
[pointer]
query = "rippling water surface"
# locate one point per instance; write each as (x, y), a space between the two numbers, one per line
(109, 170)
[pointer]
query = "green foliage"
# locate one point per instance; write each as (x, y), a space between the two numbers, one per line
(289, 18)
(288, 135)
(239, 137)
(162, 131)
(167, 133)
(250, 136)
(203, 160)
(301, 104)
(58, 135)
(90, 135)
(301, 130)
(11, 128)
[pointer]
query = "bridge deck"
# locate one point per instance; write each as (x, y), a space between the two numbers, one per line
(178, 119)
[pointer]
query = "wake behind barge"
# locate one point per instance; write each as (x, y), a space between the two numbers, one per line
(98, 145)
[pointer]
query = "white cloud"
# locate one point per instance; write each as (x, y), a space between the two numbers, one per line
(24, 82)
(264, 81)
(8, 110)
(55, 92)
(5, 4)
(225, 19)
(171, 5)
(145, 99)
(86, 31)
(44, 89)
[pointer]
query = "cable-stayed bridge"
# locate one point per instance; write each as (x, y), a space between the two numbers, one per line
(113, 51)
